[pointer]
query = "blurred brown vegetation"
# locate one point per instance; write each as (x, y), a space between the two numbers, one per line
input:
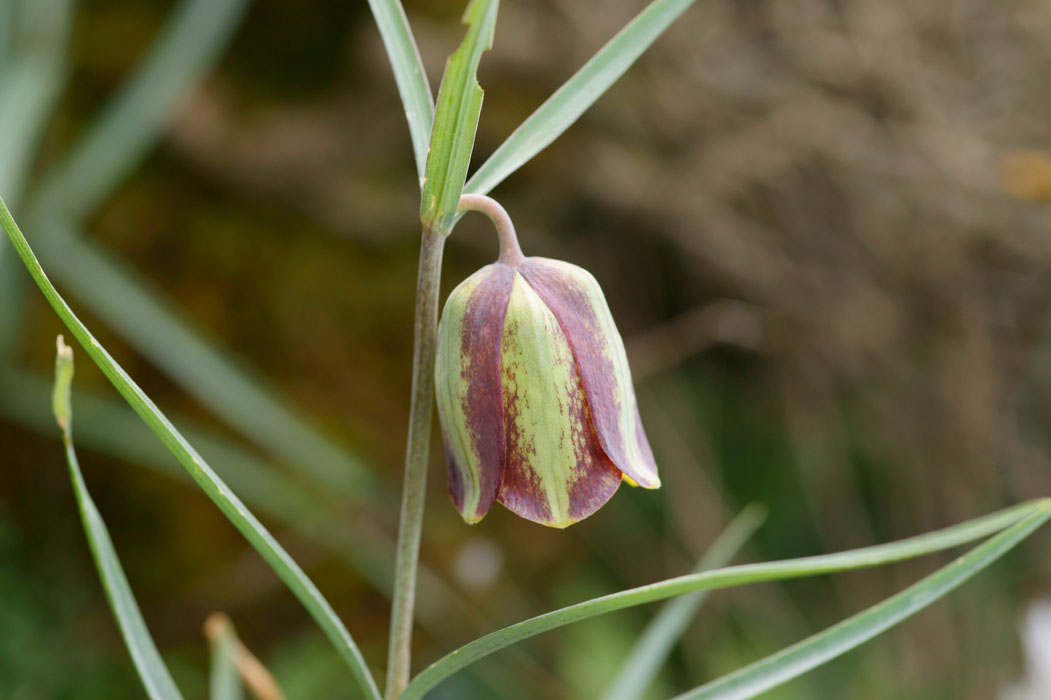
(823, 227)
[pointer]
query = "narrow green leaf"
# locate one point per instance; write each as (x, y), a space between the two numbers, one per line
(852, 632)
(456, 120)
(664, 630)
(147, 321)
(188, 46)
(224, 681)
(154, 675)
(721, 578)
(409, 74)
(578, 93)
(230, 505)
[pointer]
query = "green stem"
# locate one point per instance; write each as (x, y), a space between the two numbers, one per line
(421, 413)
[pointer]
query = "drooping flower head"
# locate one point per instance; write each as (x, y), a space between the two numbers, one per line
(534, 393)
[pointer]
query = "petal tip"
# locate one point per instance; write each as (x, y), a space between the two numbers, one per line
(653, 482)
(472, 519)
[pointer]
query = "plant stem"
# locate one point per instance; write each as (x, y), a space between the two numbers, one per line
(421, 413)
(510, 252)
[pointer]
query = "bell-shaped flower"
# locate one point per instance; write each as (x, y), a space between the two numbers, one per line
(534, 393)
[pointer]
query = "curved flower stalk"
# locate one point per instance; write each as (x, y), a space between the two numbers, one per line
(534, 391)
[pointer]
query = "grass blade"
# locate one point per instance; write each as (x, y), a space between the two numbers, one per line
(664, 630)
(30, 83)
(456, 119)
(155, 676)
(578, 93)
(722, 578)
(224, 681)
(143, 318)
(188, 46)
(230, 505)
(409, 74)
(839, 639)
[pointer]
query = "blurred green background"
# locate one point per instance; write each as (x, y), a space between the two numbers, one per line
(823, 228)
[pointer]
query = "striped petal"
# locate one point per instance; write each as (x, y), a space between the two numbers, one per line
(576, 300)
(467, 388)
(556, 471)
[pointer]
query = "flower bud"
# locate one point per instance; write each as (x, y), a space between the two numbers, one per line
(534, 394)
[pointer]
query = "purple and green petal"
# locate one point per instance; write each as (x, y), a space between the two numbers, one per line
(467, 388)
(575, 299)
(556, 471)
